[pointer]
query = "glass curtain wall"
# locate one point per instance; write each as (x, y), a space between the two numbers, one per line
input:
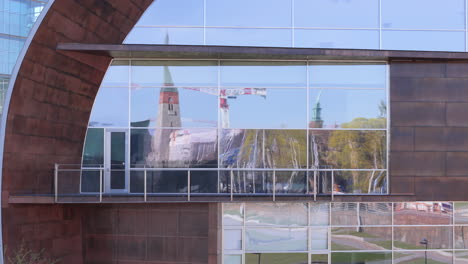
(245, 127)
(431, 25)
(16, 20)
(300, 233)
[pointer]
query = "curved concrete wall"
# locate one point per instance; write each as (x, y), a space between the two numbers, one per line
(49, 105)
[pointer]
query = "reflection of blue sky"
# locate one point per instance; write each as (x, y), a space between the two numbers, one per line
(181, 75)
(110, 108)
(258, 13)
(116, 76)
(347, 15)
(282, 108)
(275, 75)
(337, 13)
(197, 109)
(423, 14)
(348, 76)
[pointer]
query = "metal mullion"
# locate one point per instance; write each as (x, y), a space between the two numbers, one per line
(244, 206)
(307, 131)
(393, 231)
(380, 24)
(387, 71)
(219, 132)
(292, 23)
(204, 22)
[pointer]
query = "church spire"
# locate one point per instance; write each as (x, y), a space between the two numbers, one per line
(316, 120)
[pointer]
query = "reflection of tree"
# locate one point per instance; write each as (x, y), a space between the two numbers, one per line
(352, 149)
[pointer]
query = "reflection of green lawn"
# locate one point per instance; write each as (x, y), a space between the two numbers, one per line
(399, 244)
(360, 257)
(335, 246)
(418, 260)
(276, 258)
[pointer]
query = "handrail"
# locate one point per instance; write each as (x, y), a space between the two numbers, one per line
(269, 188)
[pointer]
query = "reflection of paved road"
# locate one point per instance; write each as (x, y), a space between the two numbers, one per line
(355, 242)
(462, 257)
(431, 255)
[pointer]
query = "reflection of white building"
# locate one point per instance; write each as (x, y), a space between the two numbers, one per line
(192, 146)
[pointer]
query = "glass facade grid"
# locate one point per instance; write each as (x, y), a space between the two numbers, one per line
(352, 24)
(277, 125)
(402, 243)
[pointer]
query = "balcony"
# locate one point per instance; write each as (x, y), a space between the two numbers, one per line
(77, 184)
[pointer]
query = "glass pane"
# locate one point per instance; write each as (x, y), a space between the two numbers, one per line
(174, 74)
(319, 214)
(232, 259)
(411, 237)
(336, 14)
(361, 238)
(241, 148)
(89, 180)
(461, 237)
(461, 212)
(430, 257)
(233, 214)
(249, 37)
(375, 214)
(165, 35)
(348, 149)
(117, 75)
(276, 214)
(347, 76)
(423, 213)
(423, 40)
(336, 108)
(361, 257)
(344, 214)
(276, 239)
(319, 258)
(232, 239)
(336, 39)
(203, 182)
(173, 12)
(174, 148)
(168, 107)
(276, 258)
(319, 238)
(260, 13)
(263, 74)
(290, 182)
(93, 153)
(117, 160)
(110, 108)
(247, 182)
(324, 182)
(423, 14)
(461, 257)
(265, 108)
(360, 182)
(166, 182)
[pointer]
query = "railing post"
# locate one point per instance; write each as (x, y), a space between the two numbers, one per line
(100, 183)
(188, 185)
(231, 176)
(332, 184)
(144, 183)
(274, 185)
(315, 185)
(56, 182)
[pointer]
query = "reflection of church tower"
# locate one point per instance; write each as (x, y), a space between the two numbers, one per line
(168, 116)
(168, 109)
(316, 120)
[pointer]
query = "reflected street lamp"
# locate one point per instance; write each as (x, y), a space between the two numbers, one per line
(424, 242)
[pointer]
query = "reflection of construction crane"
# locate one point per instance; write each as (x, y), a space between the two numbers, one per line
(225, 94)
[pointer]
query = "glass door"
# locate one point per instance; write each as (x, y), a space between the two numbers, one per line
(116, 161)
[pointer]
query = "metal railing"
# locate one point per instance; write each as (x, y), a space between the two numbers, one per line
(74, 183)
